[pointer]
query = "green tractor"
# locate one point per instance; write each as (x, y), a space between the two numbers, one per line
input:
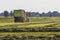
(20, 16)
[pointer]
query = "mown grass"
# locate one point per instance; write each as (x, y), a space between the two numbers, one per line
(30, 33)
(33, 23)
(29, 36)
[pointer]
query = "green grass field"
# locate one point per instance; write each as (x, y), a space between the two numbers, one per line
(34, 22)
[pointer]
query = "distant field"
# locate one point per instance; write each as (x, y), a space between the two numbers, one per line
(34, 21)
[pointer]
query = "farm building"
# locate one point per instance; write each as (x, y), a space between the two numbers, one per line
(20, 16)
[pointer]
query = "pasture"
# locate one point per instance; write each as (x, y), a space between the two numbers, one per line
(34, 22)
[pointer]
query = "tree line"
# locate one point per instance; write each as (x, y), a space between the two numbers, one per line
(43, 14)
(7, 14)
(33, 14)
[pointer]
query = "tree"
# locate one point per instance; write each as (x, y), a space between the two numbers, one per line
(11, 13)
(49, 14)
(43, 14)
(6, 13)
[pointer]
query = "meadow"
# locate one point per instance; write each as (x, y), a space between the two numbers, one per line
(34, 22)
(8, 28)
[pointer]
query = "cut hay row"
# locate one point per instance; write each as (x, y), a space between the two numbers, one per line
(30, 36)
(29, 33)
(24, 24)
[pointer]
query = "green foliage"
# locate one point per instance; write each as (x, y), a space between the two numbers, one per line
(6, 13)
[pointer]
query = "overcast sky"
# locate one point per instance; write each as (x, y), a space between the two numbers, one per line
(30, 5)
